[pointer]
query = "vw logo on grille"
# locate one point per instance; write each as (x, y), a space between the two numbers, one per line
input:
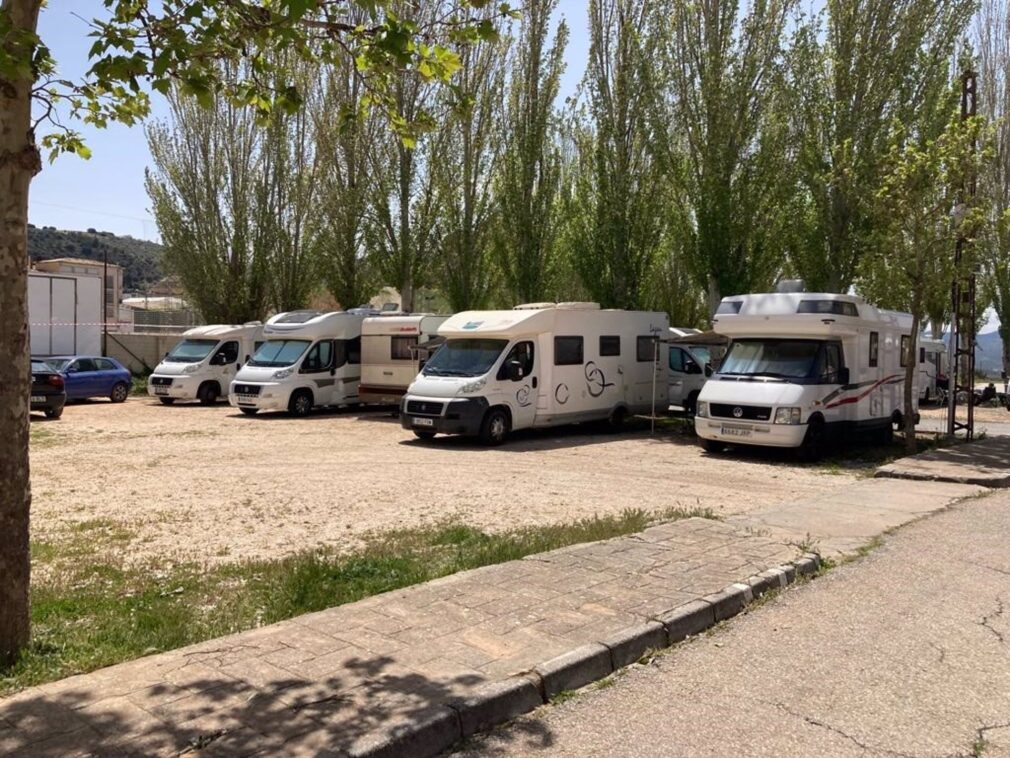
(738, 412)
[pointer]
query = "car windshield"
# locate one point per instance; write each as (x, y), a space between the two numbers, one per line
(58, 364)
(191, 351)
(465, 357)
(701, 354)
(279, 353)
(784, 359)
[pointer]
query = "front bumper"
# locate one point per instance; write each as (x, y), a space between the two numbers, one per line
(734, 432)
(457, 416)
(182, 387)
(270, 397)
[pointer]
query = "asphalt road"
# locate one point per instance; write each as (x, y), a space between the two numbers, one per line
(905, 652)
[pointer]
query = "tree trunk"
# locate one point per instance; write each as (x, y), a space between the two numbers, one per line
(911, 365)
(19, 162)
(714, 296)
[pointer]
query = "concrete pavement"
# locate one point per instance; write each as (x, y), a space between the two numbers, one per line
(985, 462)
(905, 652)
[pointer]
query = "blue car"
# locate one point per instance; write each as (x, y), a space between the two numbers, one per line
(92, 376)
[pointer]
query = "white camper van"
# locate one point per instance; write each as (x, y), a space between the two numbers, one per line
(932, 369)
(690, 364)
(538, 365)
(202, 365)
(393, 349)
(307, 359)
(801, 366)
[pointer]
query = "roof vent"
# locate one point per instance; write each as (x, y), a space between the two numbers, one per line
(791, 285)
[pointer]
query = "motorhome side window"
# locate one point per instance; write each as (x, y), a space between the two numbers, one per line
(227, 353)
(610, 346)
(522, 352)
(400, 348)
(830, 362)
(646, 349)
(905, 340)
(568, 351)
(922, 355)
(354, 351)
(320, 357)
(874, 348)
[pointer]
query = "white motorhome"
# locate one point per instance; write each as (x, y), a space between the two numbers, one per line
(690, 365)
(394, 349)
(801, 367)
(932, 375)
(307, 359)
(202, 365)
(538, 365)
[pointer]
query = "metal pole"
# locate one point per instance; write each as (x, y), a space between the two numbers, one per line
(655, 370)
(105, 301)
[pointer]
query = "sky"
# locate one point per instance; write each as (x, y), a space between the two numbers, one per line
(107, 192)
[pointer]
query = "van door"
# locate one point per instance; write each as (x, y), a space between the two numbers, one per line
(678, 376)
(318, 370)
(520, 383)
(224, 364)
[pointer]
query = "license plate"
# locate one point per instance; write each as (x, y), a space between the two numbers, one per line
(735, 431)
(160, 390)
(424, 422)
(38, 398)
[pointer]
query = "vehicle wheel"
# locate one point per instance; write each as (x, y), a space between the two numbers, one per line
(208, 393)
(249, 411)
(54, 413)
(119, 393)
(495, 427)
(713, 446)
(166, 400)
(812, 449)
(691, 404)
(424, 435)
(617, 419)
(300, 404)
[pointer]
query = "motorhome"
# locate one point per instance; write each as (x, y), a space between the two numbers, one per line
(538, 365)
(394, 349)
(932, 374)
(802, 367)
(202, 365)
(690, 364)
(307, 359)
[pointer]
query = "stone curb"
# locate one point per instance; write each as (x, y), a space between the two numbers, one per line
(498, 702)
(993, 481)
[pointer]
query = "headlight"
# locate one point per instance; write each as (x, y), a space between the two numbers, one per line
(191, 369)
(284, 373)
(787, 416)
(701, 410)
(474, 386)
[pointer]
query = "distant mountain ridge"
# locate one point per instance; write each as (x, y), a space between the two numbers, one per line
(141, 260)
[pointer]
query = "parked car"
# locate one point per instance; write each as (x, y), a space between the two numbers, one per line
(48, 392)
(92, 376)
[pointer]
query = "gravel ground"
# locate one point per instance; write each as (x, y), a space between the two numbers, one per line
(210, 485)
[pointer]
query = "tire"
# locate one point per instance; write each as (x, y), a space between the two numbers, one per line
(208, 394)
(300, 404)
(713, 446)
(616, 421)
(691, 404)
(166, 400)
(426, 436)
(250, 411)
(814, 443)
(495, 427)
(54, 413)
(120, 392)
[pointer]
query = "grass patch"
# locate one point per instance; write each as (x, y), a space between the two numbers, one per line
(39, 437)
(139, 386)
(91, 609)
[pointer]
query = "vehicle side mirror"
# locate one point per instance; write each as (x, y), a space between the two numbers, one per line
(843, 376)
(708, 369)
(514, 371)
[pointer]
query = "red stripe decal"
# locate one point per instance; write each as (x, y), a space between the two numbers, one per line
(893, 379)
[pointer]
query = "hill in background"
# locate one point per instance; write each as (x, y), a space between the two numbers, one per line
(140, 259)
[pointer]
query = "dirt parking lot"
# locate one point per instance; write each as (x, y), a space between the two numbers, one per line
(210, 485)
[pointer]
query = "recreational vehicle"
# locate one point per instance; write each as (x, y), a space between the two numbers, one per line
(801, 367)
(538, 365)
(932, 378)
(202, 365)
(307, 359)
(393, 350)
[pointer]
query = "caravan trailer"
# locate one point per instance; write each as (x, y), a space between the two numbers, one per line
(307, 359)
(801, 367)
(538, 365)
(202, 365)
(393, 350)
(932, 375)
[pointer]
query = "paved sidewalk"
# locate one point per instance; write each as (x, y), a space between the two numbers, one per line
(985, 462)
(329, 682)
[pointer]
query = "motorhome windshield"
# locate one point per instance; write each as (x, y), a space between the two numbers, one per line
(191, 351)
(279, 353)
(777, 358)
(467, 357)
